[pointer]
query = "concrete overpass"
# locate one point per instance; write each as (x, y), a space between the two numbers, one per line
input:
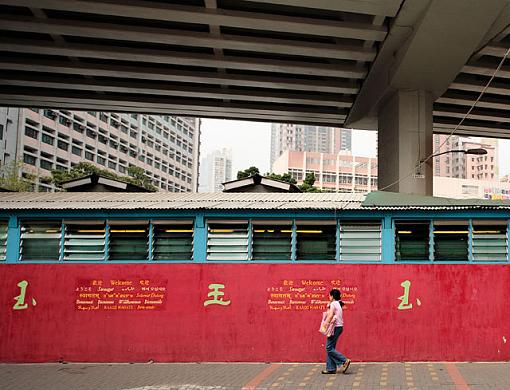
(405, 67)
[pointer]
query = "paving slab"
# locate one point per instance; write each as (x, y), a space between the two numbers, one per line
(255, 376)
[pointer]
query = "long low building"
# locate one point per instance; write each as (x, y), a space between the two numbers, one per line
(207, 277)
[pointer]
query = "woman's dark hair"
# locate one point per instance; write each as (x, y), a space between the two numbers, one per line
(335, 294)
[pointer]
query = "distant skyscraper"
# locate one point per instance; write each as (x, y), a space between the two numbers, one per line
(304, 138)
(215, 169)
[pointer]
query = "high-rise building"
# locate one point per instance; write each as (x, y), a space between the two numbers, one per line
(465, 166)
(166, 147)
(333, 172)
(305, 138)
(215, 169)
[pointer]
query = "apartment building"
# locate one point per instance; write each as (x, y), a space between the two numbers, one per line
(305, 138)
(465, 166)
(333, 172)
(166, 147)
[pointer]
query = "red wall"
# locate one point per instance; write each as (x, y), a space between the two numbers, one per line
(464, 313)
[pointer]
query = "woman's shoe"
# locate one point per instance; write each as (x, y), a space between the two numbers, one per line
(345, 366)
(328, 372)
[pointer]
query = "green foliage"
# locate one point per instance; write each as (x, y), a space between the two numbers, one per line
(247, 173)
(10, 177)
(308, 183)
(309, 179)
(286, 177)
(137, 175)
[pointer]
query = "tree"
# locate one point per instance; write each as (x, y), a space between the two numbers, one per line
(286, 177)
(247, 173)
(11, 179)
(136, 176)
(308, 183)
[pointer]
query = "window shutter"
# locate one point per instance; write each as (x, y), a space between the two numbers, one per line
(3, 240)
(227, 241)
(84, 242)
(128, 240)
(490, 242)
(173, 241)
(272, 240)
(40, 241)
(360, 242)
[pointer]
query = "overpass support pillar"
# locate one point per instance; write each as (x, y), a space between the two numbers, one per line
(405, 137)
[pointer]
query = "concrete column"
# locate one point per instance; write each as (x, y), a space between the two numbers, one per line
(405, 137)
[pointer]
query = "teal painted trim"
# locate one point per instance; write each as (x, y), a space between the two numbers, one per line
(13, 240)
(151, 241)
(507, 240)
(431, 240)
(245, 262)
(106, 242)
(470, 241)
(293, 256)
(338, 254)
(62, 241)
(200, 239)
(387, 241)
(250, 240)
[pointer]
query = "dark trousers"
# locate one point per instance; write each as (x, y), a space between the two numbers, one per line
(333, 357)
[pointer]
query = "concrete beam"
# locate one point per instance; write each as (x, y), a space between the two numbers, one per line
(466, 100)
(80, 105)
(123, 53)
(466, 82)
(429, 44)
(90, 99)
(370, 7)
(159, 74)
(162, 89)
(199, 15)
(168, 36)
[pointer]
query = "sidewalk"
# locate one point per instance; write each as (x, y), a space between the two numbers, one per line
(251, 376)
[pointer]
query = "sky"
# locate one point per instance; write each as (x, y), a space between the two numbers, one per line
(251, 143)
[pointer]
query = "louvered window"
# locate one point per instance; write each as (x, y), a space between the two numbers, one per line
(316, 240)
(3, 240)
(451, 240)
(272, 240)
(40, 241)
(360, 241)
(84, 240)
(490, 241)
(129, 240)
(227, 240)
(412, 240)
(173, 240)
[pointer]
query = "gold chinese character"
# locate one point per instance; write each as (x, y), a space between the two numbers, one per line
(404, 299)
(217, 296)
(20, 299)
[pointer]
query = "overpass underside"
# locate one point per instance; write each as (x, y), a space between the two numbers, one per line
(404, 67)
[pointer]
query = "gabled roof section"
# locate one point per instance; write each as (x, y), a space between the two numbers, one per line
(241, 185)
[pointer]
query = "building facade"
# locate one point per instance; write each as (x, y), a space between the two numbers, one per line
(333, 172)
(215, 169)
(305, 138)
(449, 187)
(166, 147)
(464, 166)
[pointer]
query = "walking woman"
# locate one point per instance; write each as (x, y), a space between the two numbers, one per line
(333, 357)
